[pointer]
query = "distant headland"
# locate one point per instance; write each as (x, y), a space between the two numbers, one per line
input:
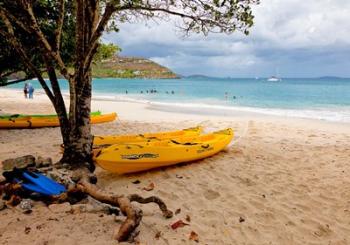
(131, 67)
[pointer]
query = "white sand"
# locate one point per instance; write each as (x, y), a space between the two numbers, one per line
(288, 178)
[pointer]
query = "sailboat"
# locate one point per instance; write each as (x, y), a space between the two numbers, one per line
(274, 78)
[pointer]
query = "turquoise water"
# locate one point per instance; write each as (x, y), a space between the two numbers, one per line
(327, 99)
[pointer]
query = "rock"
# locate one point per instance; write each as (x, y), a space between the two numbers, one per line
(61, 176)
(47, 162)
(39, 162)
(45, 169)
(19, 162)
(43, 162)
(87, 208)
(54, 175)
(79, 208)
(90, 205)
(26, 204)
(61, 208)
(40, 204)
(2, 205)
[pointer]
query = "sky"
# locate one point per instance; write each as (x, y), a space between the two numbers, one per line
(290, 38)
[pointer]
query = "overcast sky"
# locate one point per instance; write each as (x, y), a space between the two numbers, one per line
(293, 38)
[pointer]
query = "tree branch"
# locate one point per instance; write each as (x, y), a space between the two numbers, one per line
(58, 31)
(8, 73)
(109, 10)
(16, 81)
(79, 34)
(15, 20)
(37, 31)
(59, 101)
(17, 46)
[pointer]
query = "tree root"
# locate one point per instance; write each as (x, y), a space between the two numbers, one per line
(137, 198)
(133, 214)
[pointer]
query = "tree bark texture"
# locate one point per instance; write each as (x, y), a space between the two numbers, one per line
(78, 145)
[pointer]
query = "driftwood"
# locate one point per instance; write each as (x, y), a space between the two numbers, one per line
(133, 214)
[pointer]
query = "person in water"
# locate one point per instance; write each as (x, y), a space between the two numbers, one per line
(25, 90)
(30, 90)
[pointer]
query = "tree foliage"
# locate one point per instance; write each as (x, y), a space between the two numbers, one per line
(106, 51)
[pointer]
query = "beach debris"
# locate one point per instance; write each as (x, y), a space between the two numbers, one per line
(61, 175)
(26, 205)
(2, 205)
(178, 224)
(80, 185)
(158, 235)
(61, 208)
(40, 227)
(42, 162)
(52, 219)
(194, 236)
(136, 182)
(133, 236)
(27, 229)
(188, 218)
(140, 243)
(19, 162)
(150, 187)
(2, 179)
(241, 219)
(14, 200)
(178, 176)
(177, 211)
(89, 208)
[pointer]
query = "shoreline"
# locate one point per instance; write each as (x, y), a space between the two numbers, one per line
(158, 111)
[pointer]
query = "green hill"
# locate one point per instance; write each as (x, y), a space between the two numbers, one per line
(131, 67)
(122, 67)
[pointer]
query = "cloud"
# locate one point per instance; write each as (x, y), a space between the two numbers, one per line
(300, 38)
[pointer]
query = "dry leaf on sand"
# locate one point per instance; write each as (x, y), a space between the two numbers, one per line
(158, 234)
(178, 224)
(149, 187)
(194, 236)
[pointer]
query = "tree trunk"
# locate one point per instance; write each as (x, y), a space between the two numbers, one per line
(78, 148)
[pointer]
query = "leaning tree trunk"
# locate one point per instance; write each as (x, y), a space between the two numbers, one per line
(78, 148)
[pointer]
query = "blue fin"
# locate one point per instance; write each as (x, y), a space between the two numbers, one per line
(32, 187)
(41, 184)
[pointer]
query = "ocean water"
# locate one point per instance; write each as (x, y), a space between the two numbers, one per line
(325, 99)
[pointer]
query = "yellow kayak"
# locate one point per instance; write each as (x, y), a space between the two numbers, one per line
(129, 158)
(108, 140)
(35, 122)
(116, 139)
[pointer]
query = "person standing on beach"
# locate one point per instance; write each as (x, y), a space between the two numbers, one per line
(30, 90)
(25, 90)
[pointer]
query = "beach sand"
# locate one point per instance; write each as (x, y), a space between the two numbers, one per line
(281, 181)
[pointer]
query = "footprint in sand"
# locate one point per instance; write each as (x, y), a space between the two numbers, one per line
(211, 195)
